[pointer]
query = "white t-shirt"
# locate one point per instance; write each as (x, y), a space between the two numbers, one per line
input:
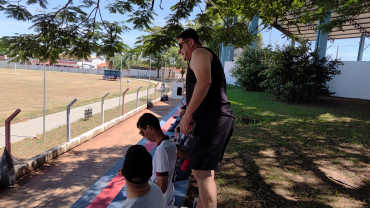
(164, 162)
(154, 198)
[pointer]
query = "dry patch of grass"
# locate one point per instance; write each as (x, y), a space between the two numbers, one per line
(24, 90)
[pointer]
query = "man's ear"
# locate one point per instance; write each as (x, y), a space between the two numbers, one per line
(148, 127)
(192, 42)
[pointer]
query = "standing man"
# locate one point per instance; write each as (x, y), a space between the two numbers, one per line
(164, 159)
(208, 105)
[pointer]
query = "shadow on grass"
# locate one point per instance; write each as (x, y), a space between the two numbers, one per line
(276, 171)
(282, 155)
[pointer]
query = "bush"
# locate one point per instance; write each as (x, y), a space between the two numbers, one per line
(298, 74)
(249, 68)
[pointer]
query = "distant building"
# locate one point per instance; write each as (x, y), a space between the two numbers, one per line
(67, 63)
(91, 63)
(102, 66)
(60, 63)
(96, 61)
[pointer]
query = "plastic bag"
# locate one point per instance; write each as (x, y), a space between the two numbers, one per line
(7, 173)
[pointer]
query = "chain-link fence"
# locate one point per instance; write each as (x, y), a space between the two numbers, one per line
(85, 95)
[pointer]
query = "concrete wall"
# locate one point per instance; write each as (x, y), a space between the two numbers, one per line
(227, 68)
(142, 73)
(353, 82)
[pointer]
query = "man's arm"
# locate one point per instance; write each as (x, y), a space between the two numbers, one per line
(162, 182)
(201, 65)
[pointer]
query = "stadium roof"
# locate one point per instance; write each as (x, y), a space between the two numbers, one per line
(353, 28)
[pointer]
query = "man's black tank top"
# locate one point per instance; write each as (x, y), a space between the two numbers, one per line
(216, 101)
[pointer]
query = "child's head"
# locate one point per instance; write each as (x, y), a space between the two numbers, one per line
(137, 166)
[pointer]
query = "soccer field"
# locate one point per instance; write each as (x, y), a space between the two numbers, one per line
(24, 90)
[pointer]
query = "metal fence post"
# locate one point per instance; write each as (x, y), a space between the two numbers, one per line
(44, 108)
(155, 90)
(137, 97)
(163, 87)
(147, 93)
(170, 90)
(68, 121)
(102, 107)
(123, 101)
(7, 129)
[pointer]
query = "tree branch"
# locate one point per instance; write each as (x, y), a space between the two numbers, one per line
(86, 18)
(219, 12)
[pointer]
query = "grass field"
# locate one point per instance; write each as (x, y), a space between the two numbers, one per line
(24, 90)
(31, 147)
(283, 155)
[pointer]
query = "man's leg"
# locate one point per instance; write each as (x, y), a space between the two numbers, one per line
(207, 188)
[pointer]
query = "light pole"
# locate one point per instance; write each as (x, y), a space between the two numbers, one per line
(44, 109)
(120, 84)
(150, 66)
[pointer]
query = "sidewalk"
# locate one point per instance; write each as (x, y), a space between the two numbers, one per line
(61, 182)
(33, 127)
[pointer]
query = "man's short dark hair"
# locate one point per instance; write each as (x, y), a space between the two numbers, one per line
(148, 119)
(189, 33)
(137, 166)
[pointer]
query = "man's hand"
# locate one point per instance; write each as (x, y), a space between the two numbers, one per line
(184, 123)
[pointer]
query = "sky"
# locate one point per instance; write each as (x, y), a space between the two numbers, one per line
(346, 49)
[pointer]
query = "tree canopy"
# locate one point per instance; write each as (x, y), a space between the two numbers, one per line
(78, 29)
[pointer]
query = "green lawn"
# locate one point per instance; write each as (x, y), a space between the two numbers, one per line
(284, 155)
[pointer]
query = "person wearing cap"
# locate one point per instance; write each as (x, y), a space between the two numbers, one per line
(164, 159)
(137, 170)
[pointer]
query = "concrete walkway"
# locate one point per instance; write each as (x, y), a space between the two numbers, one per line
(61, 182)
(33, 127)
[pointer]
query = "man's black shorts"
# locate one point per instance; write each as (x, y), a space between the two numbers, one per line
(212, 133)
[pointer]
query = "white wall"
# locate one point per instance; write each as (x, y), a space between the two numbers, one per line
(144, 73)
(227, 68)
(354, 80)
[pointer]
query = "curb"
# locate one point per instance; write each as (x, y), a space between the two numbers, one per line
(39, 160)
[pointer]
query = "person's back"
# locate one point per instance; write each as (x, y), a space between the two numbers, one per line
(164, 162)
(153, 199)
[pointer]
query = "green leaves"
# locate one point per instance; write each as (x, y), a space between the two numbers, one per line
(141, 19)
(75, 22)
(17, 12)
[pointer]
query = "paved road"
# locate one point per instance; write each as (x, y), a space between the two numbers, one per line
(33, 127)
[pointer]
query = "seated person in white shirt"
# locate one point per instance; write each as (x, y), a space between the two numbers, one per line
(137, 170)
(164, 159)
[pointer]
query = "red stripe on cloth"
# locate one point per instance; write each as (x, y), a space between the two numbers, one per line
(114, 187)
(161, 174)
(109, 193)
(149, 146)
